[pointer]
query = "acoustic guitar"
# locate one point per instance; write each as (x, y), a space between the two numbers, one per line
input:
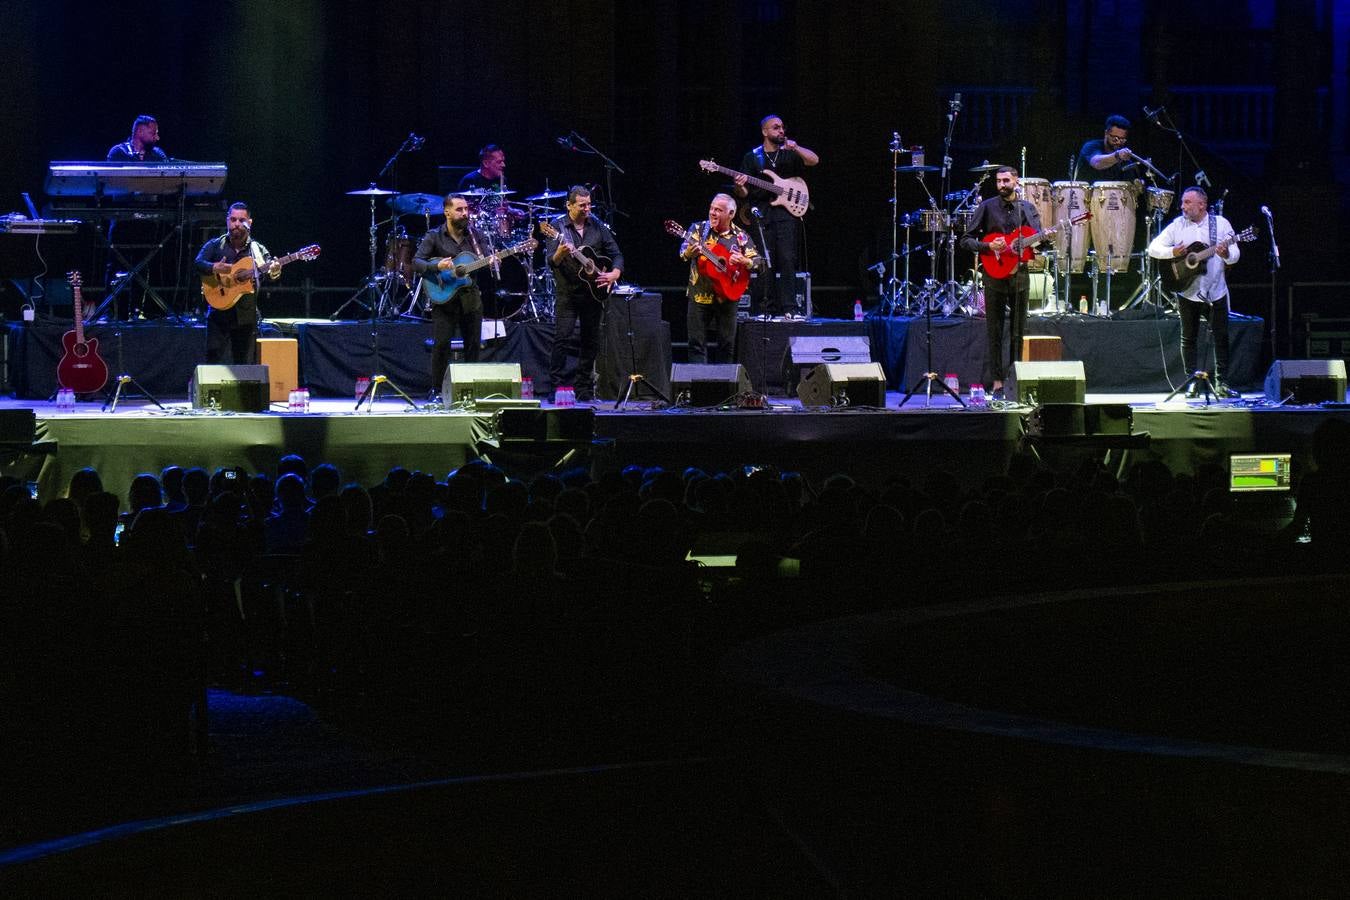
(224, 291)
(81, 369)
(1178, 273)
(442, 284)
(1020, 241)
(729, 279)
(584, 263)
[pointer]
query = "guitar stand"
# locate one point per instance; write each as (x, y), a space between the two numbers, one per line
(1203, 383)
(368, 395)
(634, 380)
(110, 404)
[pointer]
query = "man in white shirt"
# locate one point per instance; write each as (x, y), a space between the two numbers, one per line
(1207, 295)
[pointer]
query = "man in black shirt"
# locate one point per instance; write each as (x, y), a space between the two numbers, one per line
(573, 299)
(1001, 215)
(464, 308)
(782, 230)
(1107, 158)
(491, 172)
(232, 334)
(142, 146)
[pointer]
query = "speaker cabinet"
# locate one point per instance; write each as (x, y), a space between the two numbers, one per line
(1047, 382)
(844, 384)
(697, 384)
(479, 381)
(1308, 380)
(233, 388)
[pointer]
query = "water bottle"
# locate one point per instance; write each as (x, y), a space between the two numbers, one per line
(952, 382)
(857, 311)
(1082, 304)
(293, 401)
(565, 396)
(977, 395)
(1103, 309)
(304, 399)
(527, 388)
(362, 385)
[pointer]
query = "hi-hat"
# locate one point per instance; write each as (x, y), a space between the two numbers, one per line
(372, 191)
(987, 167)
(417, 204)
(918, 168)
(547, 195)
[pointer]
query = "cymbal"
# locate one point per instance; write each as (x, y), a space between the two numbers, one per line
(372, 191)
(483, 192)
(918, 168)
(987, 167)
(417, 204)
(547, 195)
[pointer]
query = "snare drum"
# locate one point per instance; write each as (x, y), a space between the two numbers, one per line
(934, 220)
(398, 255)
(1037, 192)
(1071, 244)
(1113, 224)
(1160, 200)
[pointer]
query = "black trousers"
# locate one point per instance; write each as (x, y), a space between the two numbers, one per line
(776, 288)
(1005, 302)
(569, 309)
(1216, 313)
(721, 318)
(228, 342)
(462, 312)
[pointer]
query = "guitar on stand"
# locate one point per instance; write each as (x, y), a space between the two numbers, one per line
(584, 263)
(789, 193)
(445, 283)
(81, 369)
(223, 291)
(1020, 246)
(1178, 273)
(729, 279)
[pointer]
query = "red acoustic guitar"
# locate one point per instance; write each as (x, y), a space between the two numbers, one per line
(729, 279)
(81, 368)
(1020, 243)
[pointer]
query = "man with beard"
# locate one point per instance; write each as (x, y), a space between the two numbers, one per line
(464, 309)
(232, 334)
(1107, 158)
(1001, 215)
(707, 307)
(782, 230)
(142, 146)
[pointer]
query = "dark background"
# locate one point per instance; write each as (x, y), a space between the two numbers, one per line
(305, 101)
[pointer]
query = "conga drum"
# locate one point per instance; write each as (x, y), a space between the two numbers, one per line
(1071, 244)
(1036, 191)
(1113, 224)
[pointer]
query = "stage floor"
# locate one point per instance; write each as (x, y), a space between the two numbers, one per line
(873, 445)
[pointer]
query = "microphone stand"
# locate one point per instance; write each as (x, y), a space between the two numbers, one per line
(610, 168)
(411, 142)
(1274, 276)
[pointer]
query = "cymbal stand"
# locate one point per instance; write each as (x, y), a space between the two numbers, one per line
(374, 275)
(892, 288)
(1151, 280)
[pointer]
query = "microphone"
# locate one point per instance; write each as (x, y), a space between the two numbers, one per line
(1265, 211)
(756, 212)
(1152, 114)
(415, 141)
(565, 143)
(956, 102)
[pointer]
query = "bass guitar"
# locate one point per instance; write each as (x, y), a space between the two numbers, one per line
(445, 283)
(729, 279)
(224, 291)
(1020, 241)
(584, 263)
(1178, 273)
(789, 193)
(81, 369)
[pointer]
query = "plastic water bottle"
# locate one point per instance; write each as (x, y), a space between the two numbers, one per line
(1082, 304)
(1103, 309)
(527, 388)
(304, 399)
(293, 401)
(977, 395)
(565, 396)
(857, 311)
(952, 382)
(362, 385)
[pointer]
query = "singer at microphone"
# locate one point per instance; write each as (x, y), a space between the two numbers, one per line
(1108, 156)
(490, 174)
(232, 328)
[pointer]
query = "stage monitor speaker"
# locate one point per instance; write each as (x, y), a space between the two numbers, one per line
(844, 384)
(477, 381)
(233, 388)
(699, 384)
(1308, 380)
(575, 426)
(18, 427)
(1036, 383)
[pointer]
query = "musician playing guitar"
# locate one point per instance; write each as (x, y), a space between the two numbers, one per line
(232, 334)
(709, 307)
(1207, 295)
(782, 231)
(574, 294)
(464, 309)
(1000, 215)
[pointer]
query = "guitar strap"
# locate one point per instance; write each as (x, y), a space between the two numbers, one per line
(1213, 239)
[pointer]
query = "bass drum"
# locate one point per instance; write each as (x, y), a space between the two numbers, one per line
(398, 255)
(1037, 192)
(1071, 245)
(1113, 224)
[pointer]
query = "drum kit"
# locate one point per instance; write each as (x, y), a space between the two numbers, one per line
(394, 288)
(1101, 245)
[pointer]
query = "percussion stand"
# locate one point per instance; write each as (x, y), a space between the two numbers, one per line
(890, 287)
(371, 278)
(1151, 280)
